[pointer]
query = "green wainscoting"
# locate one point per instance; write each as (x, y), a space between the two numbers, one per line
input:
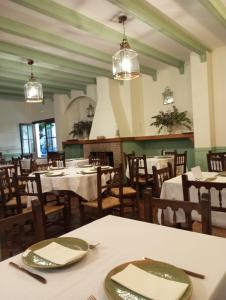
(73, 151)
(153, 147)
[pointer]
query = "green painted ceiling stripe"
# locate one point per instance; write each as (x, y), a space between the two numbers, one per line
(22, 68)
(20, 87)
(5, 74)
(40, 56)
(216, 8)
(45, 84)
(150, 15)
(26, 31)
(73, 18)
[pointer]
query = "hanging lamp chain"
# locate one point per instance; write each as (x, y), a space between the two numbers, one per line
(124, 44)
(31, 62)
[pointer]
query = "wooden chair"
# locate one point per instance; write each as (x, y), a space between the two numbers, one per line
(138, 172)
(216, 162)
(170, 153)
(26, 165)
(106, 201)
(8, 200)
(126, 158)
(15, 236)
(159, 176)
(180, 163)
(56, 158)
(154, 210)
(213, 190)
(33, 190)
(41, 167)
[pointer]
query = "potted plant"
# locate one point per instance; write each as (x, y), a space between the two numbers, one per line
(81, 129)
(171, 119)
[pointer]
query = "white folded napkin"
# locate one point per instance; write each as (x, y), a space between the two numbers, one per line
(149, 285)
(59, 254)
(197, 172)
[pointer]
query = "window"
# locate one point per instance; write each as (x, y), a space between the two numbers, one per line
(27, 138)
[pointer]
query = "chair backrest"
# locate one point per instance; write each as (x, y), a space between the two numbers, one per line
(213, 189)
(167, 152)
(106, 180)
(180, 163)
(126, 157)
(26, 165)
(138, 168)
(57, 158)
(159, 176)
(16, 162)
(154, 211)
(98, 158)
(32, 188)
(41, 167)
(14, 239)
(216, 162)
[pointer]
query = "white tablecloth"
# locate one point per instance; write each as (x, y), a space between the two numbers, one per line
(156, 161)
(172, 189)
(76, 162)
(83, 185)
(121, 241)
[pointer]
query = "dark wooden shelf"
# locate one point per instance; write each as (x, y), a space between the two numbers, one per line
(188, 135)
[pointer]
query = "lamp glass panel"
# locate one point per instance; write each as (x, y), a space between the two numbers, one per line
(33, 92)
(125, 64)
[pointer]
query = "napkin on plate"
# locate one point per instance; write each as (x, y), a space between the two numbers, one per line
(59, 254)
(149, 285)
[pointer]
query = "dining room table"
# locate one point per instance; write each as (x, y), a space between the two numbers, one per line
(76, 162)
(122, 240)
(172, 189)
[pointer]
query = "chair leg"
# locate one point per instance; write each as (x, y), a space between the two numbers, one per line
(82, 213)
(67, 217)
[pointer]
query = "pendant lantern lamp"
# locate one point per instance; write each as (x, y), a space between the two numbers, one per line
(33, 89)
(125, 62)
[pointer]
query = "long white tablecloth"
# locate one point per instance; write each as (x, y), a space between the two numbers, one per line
(76, 162)
(172, 190)
(123, 240)
(83, 185)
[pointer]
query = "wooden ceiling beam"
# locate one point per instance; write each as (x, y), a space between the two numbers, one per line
(216, 8)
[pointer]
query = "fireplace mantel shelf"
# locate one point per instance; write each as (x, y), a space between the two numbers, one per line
(188, 135)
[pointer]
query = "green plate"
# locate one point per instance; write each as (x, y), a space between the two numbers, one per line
(35, 261)
(115, 291)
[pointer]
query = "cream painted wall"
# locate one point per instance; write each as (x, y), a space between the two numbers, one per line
(219, 92)
(12, 113)
(152, 94)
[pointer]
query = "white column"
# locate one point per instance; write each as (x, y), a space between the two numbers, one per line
(202, 102)
(61, 124)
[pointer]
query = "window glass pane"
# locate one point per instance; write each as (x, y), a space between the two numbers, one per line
(50, 144)
(24, 131)
(26, 146)
(30, 132)
(54, 144)
(53, 130)
(43, 146)
(31, 145)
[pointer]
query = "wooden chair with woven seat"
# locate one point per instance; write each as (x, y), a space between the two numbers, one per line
(33, 191)
(138, 172)
(215, 192)
(180, 163)
(154, 211)
(20, 231)
(9, 205)
(57, 158)
(216, 161)
(159, 176)
(130, 195)
(106, 201)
